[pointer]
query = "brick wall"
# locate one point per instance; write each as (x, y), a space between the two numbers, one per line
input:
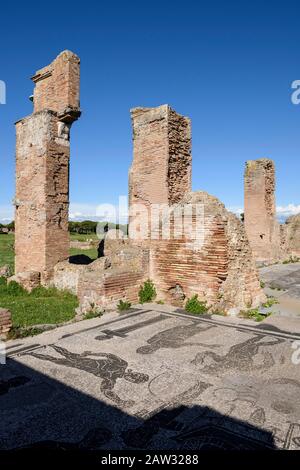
(109, 279)
(57, 85)
(5, 322)
(221, 270)
(42, 168)
(292, 231)
(161, 167)
(262, 228)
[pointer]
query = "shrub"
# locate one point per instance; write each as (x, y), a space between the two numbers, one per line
(123, 305)
(291, 259)
(270, 302)
(147, 292)
(193, 305)
(254, 314)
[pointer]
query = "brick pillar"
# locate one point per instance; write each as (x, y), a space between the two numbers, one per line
(261, 225)
(161, 168)
(42, 168)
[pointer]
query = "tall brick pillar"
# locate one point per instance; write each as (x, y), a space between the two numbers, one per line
(42, 168)
(261, 225)
(161, 167)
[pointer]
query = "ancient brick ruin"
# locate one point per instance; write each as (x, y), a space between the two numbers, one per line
(42, 169)
(262, 227)
(161, 169)
(291, 230)
(221, 269)
(216, 262)
(5, 323)
(212, 259)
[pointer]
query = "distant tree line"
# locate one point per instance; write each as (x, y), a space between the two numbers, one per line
(7, 227)
(89, 226)
(84, 227)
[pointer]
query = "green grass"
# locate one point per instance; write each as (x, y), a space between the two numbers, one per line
(82, 237)
(91, 253)
(7, 250)
(41, 306)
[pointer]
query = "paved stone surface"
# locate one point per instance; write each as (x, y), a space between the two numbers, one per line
(152, 380)
(283, 282)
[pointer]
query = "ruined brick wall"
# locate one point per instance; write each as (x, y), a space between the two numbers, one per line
(57, 85)
(5, 322)
(42, 178)
(220, 270)
(101, 284)
(292, 230)
(114, 277)
(261, 225)
(161, 167)
(107, 290)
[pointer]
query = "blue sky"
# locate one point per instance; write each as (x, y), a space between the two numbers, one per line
(228, 65)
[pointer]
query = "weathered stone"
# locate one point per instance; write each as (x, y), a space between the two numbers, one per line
(5, 322)
(262, 228)
(29, 279)
(5, 271)
(42, 169)
(176, 294)
(66, 276)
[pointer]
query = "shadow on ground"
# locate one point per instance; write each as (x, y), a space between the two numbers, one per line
(38, 412)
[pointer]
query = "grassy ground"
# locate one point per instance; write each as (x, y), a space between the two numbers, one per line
(92, 253)
(7, 250)
(41, 306)
(83, 237)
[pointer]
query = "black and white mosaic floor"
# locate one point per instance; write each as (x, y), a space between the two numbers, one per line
(152, 380)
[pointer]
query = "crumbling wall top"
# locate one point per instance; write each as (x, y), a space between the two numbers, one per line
(57, 87)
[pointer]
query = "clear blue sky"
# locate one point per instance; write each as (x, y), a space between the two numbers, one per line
(228, 65)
